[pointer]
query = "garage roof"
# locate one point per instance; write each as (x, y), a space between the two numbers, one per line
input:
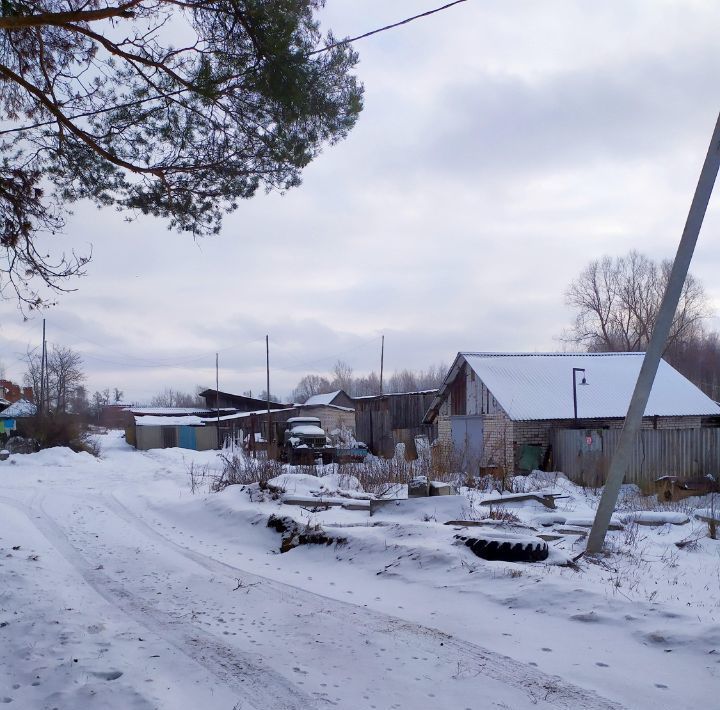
(539, 385)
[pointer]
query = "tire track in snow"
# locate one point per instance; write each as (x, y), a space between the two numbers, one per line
(258, 688)
(539, 687)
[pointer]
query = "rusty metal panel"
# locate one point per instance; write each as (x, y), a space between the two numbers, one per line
(687, 453)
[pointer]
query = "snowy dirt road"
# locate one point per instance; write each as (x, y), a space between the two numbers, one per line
(99, 608)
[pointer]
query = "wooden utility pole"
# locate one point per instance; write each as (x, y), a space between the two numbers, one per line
(382, 362)
(217, 397)
(267, 391)
(41, 401)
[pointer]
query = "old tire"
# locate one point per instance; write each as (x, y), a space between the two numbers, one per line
(507, 548)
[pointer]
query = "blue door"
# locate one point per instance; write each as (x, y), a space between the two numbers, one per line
(187, 438)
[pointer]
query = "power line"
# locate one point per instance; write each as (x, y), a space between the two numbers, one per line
(387, 27)
(138, 102)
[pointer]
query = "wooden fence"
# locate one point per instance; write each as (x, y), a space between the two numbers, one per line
(584, 454)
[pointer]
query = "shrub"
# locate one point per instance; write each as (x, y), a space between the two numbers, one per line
(239, 468)
(61, 430)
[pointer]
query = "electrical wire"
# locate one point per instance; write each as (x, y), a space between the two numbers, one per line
(138, 102)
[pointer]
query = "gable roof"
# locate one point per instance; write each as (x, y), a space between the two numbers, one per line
(19, 409)
(539, 385)
(338, 398)
(324, 398)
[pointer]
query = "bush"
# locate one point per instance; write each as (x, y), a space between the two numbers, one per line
(242, 469)
(61, 430)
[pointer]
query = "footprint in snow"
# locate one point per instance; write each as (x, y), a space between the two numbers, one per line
(107, 675)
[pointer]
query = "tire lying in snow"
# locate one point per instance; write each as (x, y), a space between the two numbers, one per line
(507, 547)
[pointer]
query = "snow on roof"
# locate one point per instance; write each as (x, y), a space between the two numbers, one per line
(169, 421)
(325, 398)
(21, 408)
(395, 394)
(244, 415)
(329, 406)
(170, 411)
(539, 386)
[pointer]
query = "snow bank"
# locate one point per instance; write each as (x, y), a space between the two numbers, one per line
(440, 509)
(651, 517)
(332, 484)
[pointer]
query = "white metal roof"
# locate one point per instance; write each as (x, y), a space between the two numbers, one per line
(171, 411)
(325, 398)
(539, 386)
(150, 420)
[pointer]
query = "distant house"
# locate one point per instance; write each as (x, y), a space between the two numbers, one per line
(115, 416)
(382, 421)
(505, 410)
(14, 416)
(10, 392)
(336, 410)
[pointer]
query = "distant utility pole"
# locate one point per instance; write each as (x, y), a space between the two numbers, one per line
(41, 401)
(651, 361)
(267, 369)
(217, 396)
(382, 362)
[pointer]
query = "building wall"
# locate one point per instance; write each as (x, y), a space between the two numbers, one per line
(330, 418)
(148, 437)
(386, 420)
(151, 437)
(503, 439)
(585, 455)
(206, 437)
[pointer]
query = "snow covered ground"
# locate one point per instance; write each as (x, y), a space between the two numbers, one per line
(121, 588)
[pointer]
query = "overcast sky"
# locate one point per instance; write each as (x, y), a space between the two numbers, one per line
(502, 146)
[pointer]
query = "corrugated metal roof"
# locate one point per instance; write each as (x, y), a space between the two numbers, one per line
(539, 386)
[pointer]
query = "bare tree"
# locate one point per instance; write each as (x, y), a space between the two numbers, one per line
(64, 376)
(343, 379)
(617, 301)
(365, 386)
(309, 386)
(174, 398)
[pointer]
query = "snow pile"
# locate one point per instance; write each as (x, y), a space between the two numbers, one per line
(331, 484)
(654, 517)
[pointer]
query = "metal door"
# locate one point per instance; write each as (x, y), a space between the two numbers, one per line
(188, 439)
(467, 437)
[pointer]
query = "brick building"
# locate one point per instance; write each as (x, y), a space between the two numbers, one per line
(14, 393)
(501, 411)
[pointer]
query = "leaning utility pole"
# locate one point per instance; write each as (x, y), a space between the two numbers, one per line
(651, 361)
